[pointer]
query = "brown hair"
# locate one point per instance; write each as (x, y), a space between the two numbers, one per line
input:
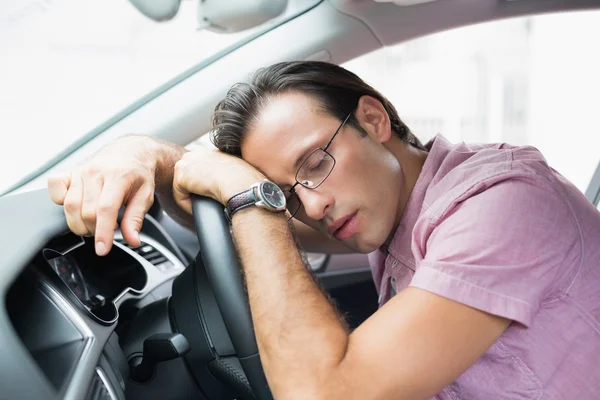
(337, 89)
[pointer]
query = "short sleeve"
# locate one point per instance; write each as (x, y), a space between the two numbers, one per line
(504, 250)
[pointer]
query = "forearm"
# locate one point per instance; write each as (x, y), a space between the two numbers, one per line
(167, 156)
(301, 337)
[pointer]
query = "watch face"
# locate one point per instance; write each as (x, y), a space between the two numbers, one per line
(273, 195)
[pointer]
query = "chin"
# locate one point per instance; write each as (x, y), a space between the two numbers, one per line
(363, 246)
(365, 243)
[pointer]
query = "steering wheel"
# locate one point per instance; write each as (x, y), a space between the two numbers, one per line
(219, 257)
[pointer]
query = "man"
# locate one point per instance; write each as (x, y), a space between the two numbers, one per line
(486, 260)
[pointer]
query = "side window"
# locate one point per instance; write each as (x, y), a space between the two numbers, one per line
(530, 81)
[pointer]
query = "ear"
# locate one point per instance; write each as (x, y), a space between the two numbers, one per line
(373, 117)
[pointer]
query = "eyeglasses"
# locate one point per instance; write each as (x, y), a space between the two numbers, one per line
(312, 172)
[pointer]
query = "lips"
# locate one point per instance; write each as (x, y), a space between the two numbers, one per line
(343, 227)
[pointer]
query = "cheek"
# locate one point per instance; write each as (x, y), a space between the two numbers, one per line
(353, 179)
(358, 164)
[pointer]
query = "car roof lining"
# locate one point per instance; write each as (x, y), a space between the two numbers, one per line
(393, 24)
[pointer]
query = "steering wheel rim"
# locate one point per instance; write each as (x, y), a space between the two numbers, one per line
(219, 256)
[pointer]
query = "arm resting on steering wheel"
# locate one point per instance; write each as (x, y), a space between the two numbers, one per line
(411, 348)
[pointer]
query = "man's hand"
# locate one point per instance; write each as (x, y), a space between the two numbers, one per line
(122, 173)
(211, 173)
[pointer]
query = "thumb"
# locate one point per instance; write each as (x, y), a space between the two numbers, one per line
(135, 211)
(182, 197)
(58, 186)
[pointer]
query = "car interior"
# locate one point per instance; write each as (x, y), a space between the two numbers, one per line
(169, 319)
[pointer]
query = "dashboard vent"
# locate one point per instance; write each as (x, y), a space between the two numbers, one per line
(98, 388)
(151, 254)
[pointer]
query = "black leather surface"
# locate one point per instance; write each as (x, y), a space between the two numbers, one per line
(188, 317)
(229, 369)
(239, 202)
(219, 257)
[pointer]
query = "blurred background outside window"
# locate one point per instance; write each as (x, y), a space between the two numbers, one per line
(532, 80)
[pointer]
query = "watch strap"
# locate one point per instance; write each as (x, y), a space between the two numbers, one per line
(240, 201)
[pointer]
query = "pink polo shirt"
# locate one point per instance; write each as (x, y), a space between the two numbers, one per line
(495, 228)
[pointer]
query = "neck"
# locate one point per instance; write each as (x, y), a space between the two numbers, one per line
(411, 162)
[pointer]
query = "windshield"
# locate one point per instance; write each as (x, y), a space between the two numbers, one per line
(69, 65)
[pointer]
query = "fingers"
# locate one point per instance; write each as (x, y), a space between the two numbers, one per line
(72, 203)
(92, 203)
(181, 195)
(121, 173)
(58, 187)
(106, 212)
(183, 199)
(133, 217)
(92, 188)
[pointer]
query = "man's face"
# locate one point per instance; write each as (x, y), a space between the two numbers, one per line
(358, 203)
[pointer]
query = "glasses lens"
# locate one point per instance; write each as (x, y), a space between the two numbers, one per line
(315, 169)
(292, 203)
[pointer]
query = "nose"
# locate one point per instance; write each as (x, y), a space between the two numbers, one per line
(316, 202)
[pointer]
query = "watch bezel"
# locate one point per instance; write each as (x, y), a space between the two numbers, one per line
(262, 200)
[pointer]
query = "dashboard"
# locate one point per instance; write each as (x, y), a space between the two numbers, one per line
(73, 316)
(99, 285)
(74, 326)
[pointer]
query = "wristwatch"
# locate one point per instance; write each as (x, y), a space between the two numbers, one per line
(264, 194)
